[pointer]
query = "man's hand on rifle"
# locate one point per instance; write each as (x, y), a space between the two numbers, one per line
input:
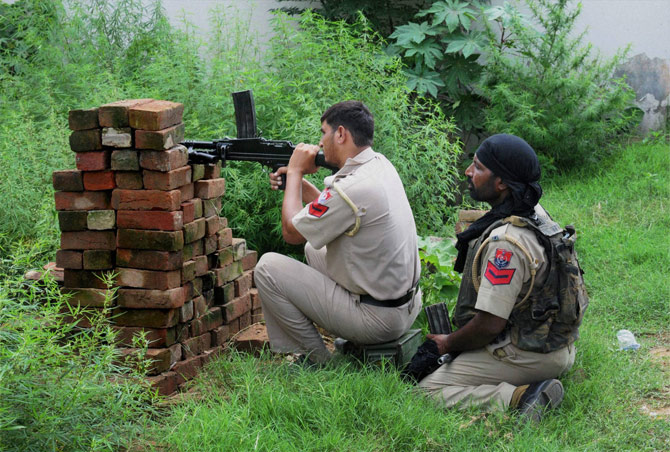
(302, 159)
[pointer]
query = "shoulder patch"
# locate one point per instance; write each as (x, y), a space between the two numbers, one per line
(317, 208)
(503, 258)
(497, 276)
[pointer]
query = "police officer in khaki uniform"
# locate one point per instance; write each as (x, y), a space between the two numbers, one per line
(361, 281)
(503, 363)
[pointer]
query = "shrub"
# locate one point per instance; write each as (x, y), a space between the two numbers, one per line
(547, 87)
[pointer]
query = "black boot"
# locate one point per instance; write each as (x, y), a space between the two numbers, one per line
(539, 397)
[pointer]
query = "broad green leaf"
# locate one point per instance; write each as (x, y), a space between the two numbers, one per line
(406, 35)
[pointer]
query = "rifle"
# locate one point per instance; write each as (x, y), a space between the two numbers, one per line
(247, 147)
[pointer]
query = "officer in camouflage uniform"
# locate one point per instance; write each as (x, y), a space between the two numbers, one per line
(515, 332)
(361, 281)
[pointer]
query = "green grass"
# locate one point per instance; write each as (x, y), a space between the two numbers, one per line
(620, 209)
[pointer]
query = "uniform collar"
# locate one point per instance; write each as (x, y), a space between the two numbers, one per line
(365, 155)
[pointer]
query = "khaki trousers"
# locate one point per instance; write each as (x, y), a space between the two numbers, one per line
(294, 296)
(487, 377)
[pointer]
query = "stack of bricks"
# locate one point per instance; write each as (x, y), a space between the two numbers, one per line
(136, 209)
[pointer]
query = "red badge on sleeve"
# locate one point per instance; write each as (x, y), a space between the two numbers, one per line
(497, 272)
(316, 208)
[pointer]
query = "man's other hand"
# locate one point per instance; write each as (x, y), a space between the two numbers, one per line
(275, 178)
(440, 340)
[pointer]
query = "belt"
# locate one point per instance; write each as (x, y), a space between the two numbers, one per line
(367, 299)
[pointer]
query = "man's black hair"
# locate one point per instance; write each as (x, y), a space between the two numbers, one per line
(353, 116)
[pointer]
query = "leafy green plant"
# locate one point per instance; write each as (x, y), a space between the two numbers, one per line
(546, 86)
(439, 281)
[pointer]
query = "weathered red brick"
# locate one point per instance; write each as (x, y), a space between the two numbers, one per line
(125, 160)
(162, 359)
(249, 260)
(149, 318)
(212, 170)
(255, 299)
(225, 238)
(165, 384)
(188, 271)
(198, 207)
(150, 240)
(168, 160)
(224, 294)
(187, 369)
(243, 284)
(210, 244)
(188, 208)
(168, 180)
(156, 115)
(245, 320)
(98, 260)
(196, 345)
(146, 199)
(220, 335)
(100, 220)
(156, 337)
(198, 171)
(93, 161)
(83, 279)
(85, 140)
(226, 256)
(84, 318)
(228, 273)
(199, 306)
(151, 299)
(236, 308)
(72, 220)
(234, 327)
(99, 180)
(88, 240)
(186, 312)
(69, 259)
(210, 188)
(213, 225)
(97, 298)
(149, 219)
(68, 180)
(83, 119)
(213, 318)
(201, 266)
(194, 231)
(187, 191)
(115, 114)
(257, 316)
(85, 200)
(239, 248)
(159, 140)
(209, 297)
(117, 137)
(149, 259)
(148, 279)
(129, 180)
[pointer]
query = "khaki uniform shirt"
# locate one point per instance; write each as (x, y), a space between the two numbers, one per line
(505, 269)
(382, 258)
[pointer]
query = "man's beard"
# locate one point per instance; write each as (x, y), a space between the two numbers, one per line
(485, 193)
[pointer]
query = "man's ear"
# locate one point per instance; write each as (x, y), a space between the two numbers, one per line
(500, 185)
(341, 134)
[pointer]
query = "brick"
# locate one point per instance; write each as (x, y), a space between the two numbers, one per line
(98, 260)
(182, 332)
(234, 327)
(146, 200)
(194, 231)
(255, 299)
(168, 160)
(211, 207)
(188, 251)
(209, 297)
(225, 238)
(83, 119)
(198, 171)
(99, 220)
(188, 368)
(156, 337)
(201, 267)
(197, 286)
(226, 256)
(149, 259)
(148, 279)
(162, 359)
(85, 140)
(86, 200)
(187, 191)
(99, 180)
(212, 170)
(161, 139)
(117, 137)
(245, 320)
(252, 340)
(208, 281)
(83, 279)
(152, 299)
(239, 248)
(213, 260)
(188, 209)
(243, 284)
(88, 240)
(164, 384)
(155, 115)
(213, 225)
(93, 161)
(224, 222)
(224, 294)
(196, 345)
(257, 317)
(210, 188)
(85, 318)
(188, 271)
(125, 160)
(228, 273)
(169, 180)
(236, 308)
(198, 207)
(220, 335)
(68, 180)
(129, 180)
(115, 114)
(69, 259)
(72, 220)
(197, 327)
(186, 312)
(213, 318)
(199, 306)
(140, 239)
(149, 318)
(211, 244)
(249, 260)
(96, 298)
(149, 219)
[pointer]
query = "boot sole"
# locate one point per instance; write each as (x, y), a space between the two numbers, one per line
(550, 397)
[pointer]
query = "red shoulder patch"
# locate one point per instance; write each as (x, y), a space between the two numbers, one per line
(317, 209)
(497, 276)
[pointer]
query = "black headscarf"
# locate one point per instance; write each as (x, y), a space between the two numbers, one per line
(515, 162)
